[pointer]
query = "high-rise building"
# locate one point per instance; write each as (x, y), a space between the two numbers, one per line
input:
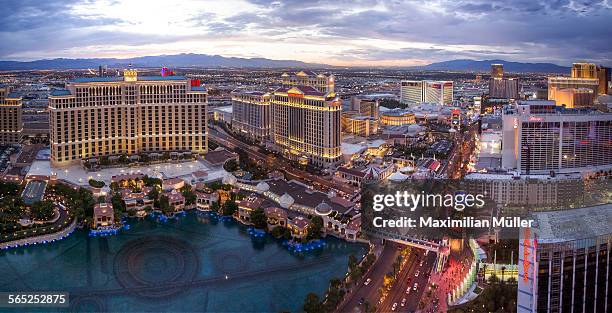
(411, 91)
(251, 114)
(365, 107)
(584, 70)
(603, 74)
(322, 82)
(501, 87)
(414, 92)
(129, 115)
(539, 138)
(497, 70)
(559, 83)
(306, 119)
(564, 261)
(574, 97)
(11, 125)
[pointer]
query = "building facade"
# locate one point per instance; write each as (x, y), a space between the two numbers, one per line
(564, 262)
(559, 83)
(413, 91)
(251, 114)
(306, 121)
(574, 97)
(539, 138)
(322, 82)
(127, 115)
(397, 117)
(11, 124)
(584, 70)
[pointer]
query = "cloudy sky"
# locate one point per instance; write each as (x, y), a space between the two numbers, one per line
(378, 33)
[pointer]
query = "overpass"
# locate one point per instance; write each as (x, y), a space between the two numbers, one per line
(441, 250)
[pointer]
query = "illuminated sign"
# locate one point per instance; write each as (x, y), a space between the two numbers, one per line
(526, 255)
(515, 123)
(296, 95)
(535, 119)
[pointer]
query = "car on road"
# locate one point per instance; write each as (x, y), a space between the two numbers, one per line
(416, 274)
(367, 282)
(408, 290)
(403, 302)
(361, 301)
(421, 264)
(394, 306)
(415, 287)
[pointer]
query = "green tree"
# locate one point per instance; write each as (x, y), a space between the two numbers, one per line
(229, 207)
(315, 228)
(42, 210)
(231, 165)
(278, 231)
(190, 196)
(258, 218)
(312, 304)
(164, 205)
(117, 203)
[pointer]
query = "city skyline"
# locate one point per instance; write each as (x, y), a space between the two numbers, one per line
(365, 33)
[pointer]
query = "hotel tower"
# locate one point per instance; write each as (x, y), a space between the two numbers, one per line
(251, 114)
(10, 116)
(306, 118)
(129, 115)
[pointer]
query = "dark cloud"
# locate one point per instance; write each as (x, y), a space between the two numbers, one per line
(559, 31)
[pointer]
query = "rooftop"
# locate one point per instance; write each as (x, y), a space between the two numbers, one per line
(575, 224)
(120, 79)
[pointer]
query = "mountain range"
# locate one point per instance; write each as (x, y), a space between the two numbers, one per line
(176, 60)
(485, 66)
(216, 61)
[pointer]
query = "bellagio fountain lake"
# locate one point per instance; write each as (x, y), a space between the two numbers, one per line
(196, 262)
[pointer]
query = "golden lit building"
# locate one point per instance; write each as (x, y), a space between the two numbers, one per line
(251, 114)
(497, 70)
(584, 70)
(306, 120)
(322, 82)
(397, 117)
(11, 124)
(574, 97)
(558, 83)
(104, 116)
(361, 125)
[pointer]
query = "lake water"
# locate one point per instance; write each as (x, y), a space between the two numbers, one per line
(194, 263)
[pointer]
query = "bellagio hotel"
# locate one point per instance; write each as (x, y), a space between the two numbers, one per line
(306, 118)
(110, 116)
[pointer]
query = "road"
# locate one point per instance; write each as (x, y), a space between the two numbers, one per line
(370, 293)
(406, 280)
(321, 183)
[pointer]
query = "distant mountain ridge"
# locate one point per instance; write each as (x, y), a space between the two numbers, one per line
(174, 61)
(485, 66)
(217, 61)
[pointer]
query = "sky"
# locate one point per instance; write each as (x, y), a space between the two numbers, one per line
(342, 33)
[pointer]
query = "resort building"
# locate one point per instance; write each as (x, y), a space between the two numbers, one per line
(557, 84)
(540, 137)
(129, 115)
(397, 117)
(176, 200)
(251, 114)
(103, 215)
(276, 217)
(322, 82)
(306, 120)
(564, 261)
(204, 200)
(11, 124)
(298, 226)
(360, 125)
(414, 92)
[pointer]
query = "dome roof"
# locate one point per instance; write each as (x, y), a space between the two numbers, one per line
(397, 177)
(286, 201)
(262, 187)
(229, 179)
(323, 208)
